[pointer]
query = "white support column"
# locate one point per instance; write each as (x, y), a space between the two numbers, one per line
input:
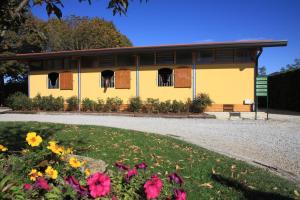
(137, 76)
(194, 76)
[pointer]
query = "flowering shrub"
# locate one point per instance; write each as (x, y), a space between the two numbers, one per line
(48, 170)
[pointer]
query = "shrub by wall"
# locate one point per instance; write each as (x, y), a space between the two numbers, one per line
(72, 103)
(88, 105)
(135, 104)
(201, 101)
(19, 101)
(113, 104)
(48, 103)
(284, 90)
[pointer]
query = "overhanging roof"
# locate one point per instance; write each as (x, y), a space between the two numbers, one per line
(142, 49)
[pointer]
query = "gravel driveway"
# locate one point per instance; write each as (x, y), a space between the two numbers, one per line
(274, 143)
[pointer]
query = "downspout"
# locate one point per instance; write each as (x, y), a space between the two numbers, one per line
(137, 76)
(79, 84)
(255, 75)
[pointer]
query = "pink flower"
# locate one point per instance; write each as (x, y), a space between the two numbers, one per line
(142, 165)
(27, 186)
(179, 194)
(73, 182)
(42, 183)
(130, 174)
(173, 177)
(153, 187)
(114, 198)
(121, 166)
(99, 185)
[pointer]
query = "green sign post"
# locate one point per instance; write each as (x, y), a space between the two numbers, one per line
(261, 90)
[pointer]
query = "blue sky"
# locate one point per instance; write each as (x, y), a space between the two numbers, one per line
(189, 21)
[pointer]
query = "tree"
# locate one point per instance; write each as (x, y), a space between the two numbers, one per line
(75, 33)
(11, 11)
(289, 67)
(28, 38)
(262, 71)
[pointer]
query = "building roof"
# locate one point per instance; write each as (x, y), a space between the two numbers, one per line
(144, 49)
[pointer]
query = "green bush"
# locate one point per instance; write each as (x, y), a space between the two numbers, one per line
(165, 107)
(201, 101)
(151, 105)
(178, 106)
(48, 103)
(113, 104)
(19, 101)
(88, 104)
(72, 103)
(135, 104)
(100, 105)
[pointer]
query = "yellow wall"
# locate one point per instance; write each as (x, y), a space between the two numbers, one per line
(91, 87)
(148, 86)
(38, 83)
(226, 83)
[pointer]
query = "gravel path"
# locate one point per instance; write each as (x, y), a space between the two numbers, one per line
(275, 143)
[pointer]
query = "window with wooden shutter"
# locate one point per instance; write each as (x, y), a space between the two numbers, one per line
(122, 79)
(183, 77)
(66, 81)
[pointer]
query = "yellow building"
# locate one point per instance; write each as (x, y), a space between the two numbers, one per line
(225, 71)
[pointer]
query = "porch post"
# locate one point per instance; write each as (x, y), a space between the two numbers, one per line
(194, 76)
(79, 83)
(137, 76)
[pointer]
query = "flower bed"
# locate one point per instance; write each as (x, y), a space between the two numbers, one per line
(46, 169)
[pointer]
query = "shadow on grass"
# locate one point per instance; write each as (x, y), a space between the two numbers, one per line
(248, 193)
(14, 135)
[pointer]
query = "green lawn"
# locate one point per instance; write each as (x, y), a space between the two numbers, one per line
(207, 175)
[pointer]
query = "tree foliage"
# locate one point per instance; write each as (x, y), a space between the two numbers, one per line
(75, 33)
(262, 70)
(289, 67)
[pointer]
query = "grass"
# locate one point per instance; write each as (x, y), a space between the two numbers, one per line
(207, 175)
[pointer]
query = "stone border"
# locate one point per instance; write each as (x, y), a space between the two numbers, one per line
(124, 114)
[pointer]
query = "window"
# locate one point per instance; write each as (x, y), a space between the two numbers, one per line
(224, 55)
(184, 57)
(245, 55)
(107, 60)
(126, 60)
(165, 58)
(147, 59)
(53, 80)
(89, 62)
(35, 65)
(165, 77)
(205, 57)
(107, 79)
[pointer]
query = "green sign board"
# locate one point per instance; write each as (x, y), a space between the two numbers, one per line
(262, 86)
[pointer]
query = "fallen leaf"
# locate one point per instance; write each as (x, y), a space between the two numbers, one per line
(207, 185)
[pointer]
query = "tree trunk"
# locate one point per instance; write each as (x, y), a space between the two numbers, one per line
(1, 89)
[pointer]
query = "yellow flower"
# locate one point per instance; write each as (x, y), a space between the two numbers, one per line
(55, 148)
(33, 139)
(52, 173)
(25, 151)
(34, 174)
(74, 162)
(87, 172)
(68, 151)
(3, 148)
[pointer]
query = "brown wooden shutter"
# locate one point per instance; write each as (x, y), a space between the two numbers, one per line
(122, 79)
(66, 80)
(183, 77)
